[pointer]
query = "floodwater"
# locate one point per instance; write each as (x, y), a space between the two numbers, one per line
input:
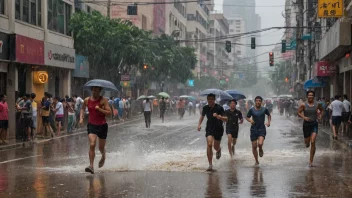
(169, 160)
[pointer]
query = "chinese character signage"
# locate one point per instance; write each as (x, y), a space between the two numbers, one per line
(324, 68)
(59, 56)
(28, 50)
(40, 77)
(330, 8)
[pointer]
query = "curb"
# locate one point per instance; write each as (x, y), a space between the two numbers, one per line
(77, 132)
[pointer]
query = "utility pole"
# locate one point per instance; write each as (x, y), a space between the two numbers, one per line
(108, 8)
(300, 43)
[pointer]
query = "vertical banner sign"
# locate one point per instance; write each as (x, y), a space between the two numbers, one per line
(330, 8)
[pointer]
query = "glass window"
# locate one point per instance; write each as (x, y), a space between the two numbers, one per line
(28, 11)
(59, 15)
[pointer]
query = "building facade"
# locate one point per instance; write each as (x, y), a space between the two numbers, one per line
(41, 51)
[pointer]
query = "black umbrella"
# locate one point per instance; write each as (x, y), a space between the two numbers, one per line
(218, 92)
(106, 85)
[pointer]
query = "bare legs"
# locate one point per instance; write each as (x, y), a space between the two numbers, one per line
(257, 144)
(311, 140)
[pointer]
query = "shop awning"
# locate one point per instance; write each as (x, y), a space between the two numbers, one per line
(313, 84)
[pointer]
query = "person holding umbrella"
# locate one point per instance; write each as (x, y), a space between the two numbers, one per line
(97, 127)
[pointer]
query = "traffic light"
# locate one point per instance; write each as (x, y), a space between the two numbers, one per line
(145, 67)
(271, 58)
(132, 9)
(228, 46)
(253, 43)
(283, 46)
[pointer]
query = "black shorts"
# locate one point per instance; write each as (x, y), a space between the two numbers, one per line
(336, 120)
(27, 122)
(309, 128)
(99, 130)
(4, 124)
(233, 132)
(216, 133)
(345, 116)
(257, 132)
(59, 119)
(45, 119)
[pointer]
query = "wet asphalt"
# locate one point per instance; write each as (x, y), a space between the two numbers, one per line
(169, 160)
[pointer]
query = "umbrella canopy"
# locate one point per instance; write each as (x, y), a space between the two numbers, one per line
(220, 93)
(151, 97)
(106, 85)
(164, 94)
(142, 97)
(188, 97)
(237, 95)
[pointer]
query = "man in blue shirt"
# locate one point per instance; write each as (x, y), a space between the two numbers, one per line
(256, 116)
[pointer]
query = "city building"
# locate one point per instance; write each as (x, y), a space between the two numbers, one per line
(41, 53)
(197, 25)
(217, 56)
(176, 20)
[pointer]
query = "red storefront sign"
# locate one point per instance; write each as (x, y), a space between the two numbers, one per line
(324, 68)
(29, 50)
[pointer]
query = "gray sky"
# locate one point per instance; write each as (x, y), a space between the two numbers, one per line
(271, 17)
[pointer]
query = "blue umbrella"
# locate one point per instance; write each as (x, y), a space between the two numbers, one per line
(220, 93)
(106, 85)
(237, 95)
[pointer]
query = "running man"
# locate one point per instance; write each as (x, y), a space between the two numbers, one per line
(256, 116)
(99, 109)
(309, 112)
(233, 115)
(214, 130)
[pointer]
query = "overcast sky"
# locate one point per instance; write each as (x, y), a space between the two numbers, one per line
(271, 17)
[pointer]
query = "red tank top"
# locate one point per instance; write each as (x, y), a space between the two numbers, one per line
(95, 117)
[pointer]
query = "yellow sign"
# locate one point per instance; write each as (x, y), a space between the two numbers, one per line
(125, 83)
(330, 8)
(40, 77)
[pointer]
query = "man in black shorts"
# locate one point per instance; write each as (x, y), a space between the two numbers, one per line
(214, 130)
(258, 130)
(233, 116)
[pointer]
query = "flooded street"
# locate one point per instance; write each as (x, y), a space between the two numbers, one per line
(169, 160)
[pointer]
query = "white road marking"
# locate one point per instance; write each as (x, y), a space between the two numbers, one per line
(194, 141)
(4, 162)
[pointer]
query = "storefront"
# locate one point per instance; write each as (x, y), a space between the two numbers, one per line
(324, 72)
(4, 58)
(59, 61)
(80, 75)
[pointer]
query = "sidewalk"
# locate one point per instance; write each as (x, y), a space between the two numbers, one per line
(13, 143)
(342, 138)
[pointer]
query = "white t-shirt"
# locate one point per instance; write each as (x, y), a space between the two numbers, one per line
(147, 106)
(60, 109)
(347, 105)
(337, 108)
(190, 104)
(79, 102)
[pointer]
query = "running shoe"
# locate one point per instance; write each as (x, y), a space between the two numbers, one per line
(210, 168)
(218, 154)
(90, 169)
(261, 152)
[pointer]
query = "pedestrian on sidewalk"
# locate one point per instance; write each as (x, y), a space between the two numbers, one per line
(337, 108)
(26, 116)
(256, 116)
(45, 113)
(346, 114)
(4, 118)
(147, 110)
(34, 115)
(310, 111)
(234, 118)
(121, 112)
(162, 106)
(70, 106)
(78, 105)
(214, 129)
(99, 109)
(59, 114)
